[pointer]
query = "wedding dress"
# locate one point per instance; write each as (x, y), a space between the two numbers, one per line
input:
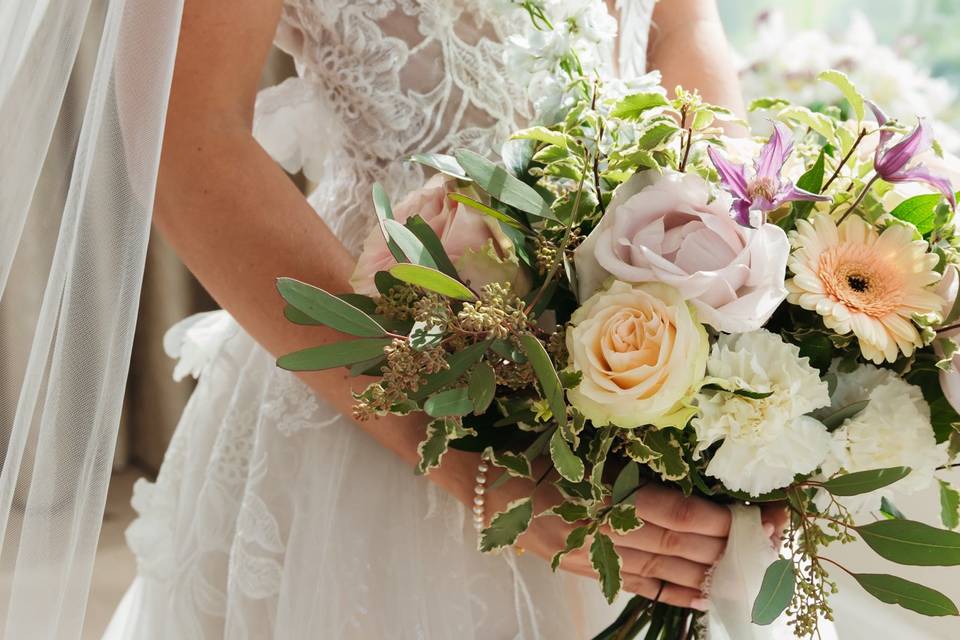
(273, 516)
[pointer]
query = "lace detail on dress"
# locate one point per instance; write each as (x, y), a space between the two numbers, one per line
(398, 77)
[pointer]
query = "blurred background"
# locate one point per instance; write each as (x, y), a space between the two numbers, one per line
(903, 53)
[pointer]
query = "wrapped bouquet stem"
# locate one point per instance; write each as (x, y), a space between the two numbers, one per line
(630, 297)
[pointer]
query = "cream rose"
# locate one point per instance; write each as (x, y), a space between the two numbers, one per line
(475, 243)
(666, 229)
(642, 355)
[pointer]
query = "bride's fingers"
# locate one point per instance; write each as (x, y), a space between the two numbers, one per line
(679, 571)
(692, 546)
(671, 509)
(774, 517)
(669, 594)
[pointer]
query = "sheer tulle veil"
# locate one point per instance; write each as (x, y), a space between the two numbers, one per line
(87, 183)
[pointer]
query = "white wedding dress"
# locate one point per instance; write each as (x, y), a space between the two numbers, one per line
(273, 516)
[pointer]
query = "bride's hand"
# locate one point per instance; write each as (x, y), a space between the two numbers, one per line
(681, 539)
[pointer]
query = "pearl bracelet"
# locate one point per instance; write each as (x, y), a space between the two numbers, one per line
(479, 490)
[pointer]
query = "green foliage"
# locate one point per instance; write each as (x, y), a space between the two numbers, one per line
(912, 543)
(442, 163)
(432, 280)
(627, 482)
(849, 91)
(331, 356)
(439, 434)
(920, 211)
(623, 518)
(566, 462)
(547, 376)
(949, 505)
(909, 595)
(503, 186)
(452, 402)
(575, 540)
(508, 525)
(853, 484)
(428, 239)
(482, 387)
(635, 105)
(515, 464)
(323, 308)
(606, 562)
(776, 592)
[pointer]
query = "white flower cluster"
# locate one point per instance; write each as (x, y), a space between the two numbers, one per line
(783, 62)
(892, 430)
(583, 34)
(765, 441)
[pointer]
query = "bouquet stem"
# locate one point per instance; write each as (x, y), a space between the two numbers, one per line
(659, 621)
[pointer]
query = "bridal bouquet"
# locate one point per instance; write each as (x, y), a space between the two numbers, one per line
(632, 296)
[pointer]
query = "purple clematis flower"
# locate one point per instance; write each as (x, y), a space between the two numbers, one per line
(890, 164)
(767, 190)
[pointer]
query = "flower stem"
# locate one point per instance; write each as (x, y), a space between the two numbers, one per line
(846, 158)
(856, 203)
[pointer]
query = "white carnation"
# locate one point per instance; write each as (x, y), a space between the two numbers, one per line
(767, 441)
(892, 430)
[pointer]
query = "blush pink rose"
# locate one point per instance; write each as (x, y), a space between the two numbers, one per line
(474, 242)
(669, 228)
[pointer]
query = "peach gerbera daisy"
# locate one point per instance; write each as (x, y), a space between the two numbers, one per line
(865, 281)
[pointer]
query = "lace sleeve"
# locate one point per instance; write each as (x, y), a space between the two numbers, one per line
(636, 17)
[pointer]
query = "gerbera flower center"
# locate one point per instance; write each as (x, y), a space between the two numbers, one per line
(861, 279)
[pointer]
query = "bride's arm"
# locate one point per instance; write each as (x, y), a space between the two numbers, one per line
(689, 47)
(238, 222)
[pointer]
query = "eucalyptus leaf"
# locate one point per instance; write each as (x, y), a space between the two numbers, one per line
(566, 462)
(428, 238)
(294, 315)
(503, 186)
(452, 402)
(912, 543)
(890, 510)
(628, 480)
(328, 309)
(432, 280)
(482, 387)
(907, 594)
(337, 354)
(442, 163)
(487, 210)
(836, 419)
(507, 526)
(606, 562)
(852, 484)
(413, 250)
(381, 204)
(776, 592)
(547, 376)
(949, 505)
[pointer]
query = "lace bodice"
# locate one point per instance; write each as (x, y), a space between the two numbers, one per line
(378, 80)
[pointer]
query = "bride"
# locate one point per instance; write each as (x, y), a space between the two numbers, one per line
(274, 514)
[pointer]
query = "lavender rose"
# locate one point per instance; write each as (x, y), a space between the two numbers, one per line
(666, 229)
(475, 243)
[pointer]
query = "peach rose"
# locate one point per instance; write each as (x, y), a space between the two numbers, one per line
(475, 243)
(667, 229)
(642, 355)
